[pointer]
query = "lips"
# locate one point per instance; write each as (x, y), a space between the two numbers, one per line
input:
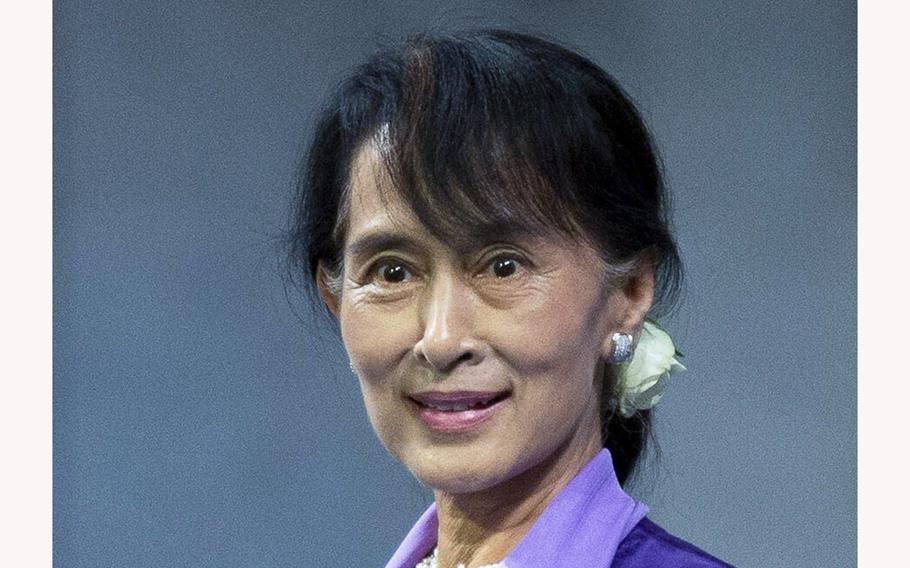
(458, 401)
(457, 412)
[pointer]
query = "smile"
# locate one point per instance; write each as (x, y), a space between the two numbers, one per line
(457, 411)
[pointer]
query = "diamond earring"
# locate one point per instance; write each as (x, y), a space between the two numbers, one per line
(622, 348)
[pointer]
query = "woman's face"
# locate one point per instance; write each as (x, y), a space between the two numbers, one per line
(475, 365)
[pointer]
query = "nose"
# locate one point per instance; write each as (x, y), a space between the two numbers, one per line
(448, 324)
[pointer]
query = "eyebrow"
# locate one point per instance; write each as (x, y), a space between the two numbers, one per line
(490, 232)
(371, 243)
(374, 242)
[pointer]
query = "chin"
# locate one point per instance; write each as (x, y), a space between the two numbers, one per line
(458, 482)
(459, 471)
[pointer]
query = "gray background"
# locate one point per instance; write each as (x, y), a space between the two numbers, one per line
(202, 418)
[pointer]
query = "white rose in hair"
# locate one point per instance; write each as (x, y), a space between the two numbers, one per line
(642, 379)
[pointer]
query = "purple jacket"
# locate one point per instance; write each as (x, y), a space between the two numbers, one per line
(591, 523)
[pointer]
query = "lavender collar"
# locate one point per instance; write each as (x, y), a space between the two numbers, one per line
(582, 526)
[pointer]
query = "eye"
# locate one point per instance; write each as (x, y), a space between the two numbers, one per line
(390, 271)
(505, 266)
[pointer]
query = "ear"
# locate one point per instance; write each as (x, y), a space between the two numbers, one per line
(630, 302)
(639, 294)
(332, 301)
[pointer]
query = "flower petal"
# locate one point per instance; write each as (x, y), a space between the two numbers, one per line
(641, 380)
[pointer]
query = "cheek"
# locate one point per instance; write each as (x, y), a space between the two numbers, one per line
(384, 409)
(554, 349)
(376, 339)
(549, 336)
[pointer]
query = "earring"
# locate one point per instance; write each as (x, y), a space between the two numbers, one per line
(622, 348)
(351, 365)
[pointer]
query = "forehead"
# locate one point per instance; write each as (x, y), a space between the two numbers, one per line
(376, 209)
(373, 203)
(380, 219)
(377, 213)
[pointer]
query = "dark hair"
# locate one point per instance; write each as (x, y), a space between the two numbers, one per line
(488, 129)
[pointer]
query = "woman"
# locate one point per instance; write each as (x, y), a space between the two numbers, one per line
(483, 216)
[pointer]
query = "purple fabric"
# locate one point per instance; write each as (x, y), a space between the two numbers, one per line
(648, 545)
(582, 526)
(592, 523)
(419, 543)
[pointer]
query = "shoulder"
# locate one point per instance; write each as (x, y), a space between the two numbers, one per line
(650, 545)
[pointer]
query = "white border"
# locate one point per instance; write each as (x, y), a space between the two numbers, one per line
(25, 308)
(882, 278)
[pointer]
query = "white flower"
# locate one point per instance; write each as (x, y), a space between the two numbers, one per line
(641, 380)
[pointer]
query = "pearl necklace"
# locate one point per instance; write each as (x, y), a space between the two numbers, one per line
(432, 561)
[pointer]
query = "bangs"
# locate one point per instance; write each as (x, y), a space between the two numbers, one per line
(472, 191)
(480, 142)
(488, 133)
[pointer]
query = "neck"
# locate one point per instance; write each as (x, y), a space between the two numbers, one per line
(483, 527)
